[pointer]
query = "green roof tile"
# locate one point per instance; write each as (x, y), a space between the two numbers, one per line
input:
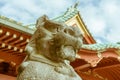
(71, 12)
(101, 46)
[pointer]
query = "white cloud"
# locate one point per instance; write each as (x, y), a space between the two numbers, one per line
(27, 11)
(100, 16)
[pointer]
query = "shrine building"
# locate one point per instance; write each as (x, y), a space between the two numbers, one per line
(99, 62)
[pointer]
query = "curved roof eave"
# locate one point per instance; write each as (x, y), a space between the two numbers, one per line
(16, 25)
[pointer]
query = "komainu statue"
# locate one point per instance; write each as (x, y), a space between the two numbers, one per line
(52, 47)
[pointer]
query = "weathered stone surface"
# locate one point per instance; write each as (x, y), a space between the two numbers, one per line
(51, 48)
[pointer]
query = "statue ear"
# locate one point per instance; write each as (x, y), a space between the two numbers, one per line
(41, 21)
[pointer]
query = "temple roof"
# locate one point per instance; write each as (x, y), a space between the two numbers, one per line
(16, 25)
(99, 46)
(10, 20)
(71, 12)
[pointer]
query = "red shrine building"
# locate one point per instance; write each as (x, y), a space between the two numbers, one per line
(94, 61)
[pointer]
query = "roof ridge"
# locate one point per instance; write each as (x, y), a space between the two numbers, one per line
(71, 11)
(14, 21)
(10, 20)
(101, 46)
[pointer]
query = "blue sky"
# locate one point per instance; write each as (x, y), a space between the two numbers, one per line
(100, 16)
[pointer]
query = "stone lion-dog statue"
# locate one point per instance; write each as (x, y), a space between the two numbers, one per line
(49, 52)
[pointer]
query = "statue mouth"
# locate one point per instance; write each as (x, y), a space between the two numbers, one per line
(69, 52)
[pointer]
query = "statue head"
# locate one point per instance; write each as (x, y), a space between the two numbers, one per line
(54, 40)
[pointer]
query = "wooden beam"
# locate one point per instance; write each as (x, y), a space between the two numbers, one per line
(5, 36)
(23, 44)
(11, 48)
(82, 67)
(11, 38)
(18, 40)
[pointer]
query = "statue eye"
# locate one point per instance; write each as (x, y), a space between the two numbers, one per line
(65, 31)
(69, 31)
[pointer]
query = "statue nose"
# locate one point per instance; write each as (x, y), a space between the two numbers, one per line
(66, 39)
(75, 42)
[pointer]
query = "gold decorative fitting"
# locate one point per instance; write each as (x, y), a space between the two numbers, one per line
(14, 36)
(3, 44)
(9, 47)
(27, 40)
(21, 50)
(15, 48)
(7, 33)
(21, 38)
(1, 31)
(118, 58)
